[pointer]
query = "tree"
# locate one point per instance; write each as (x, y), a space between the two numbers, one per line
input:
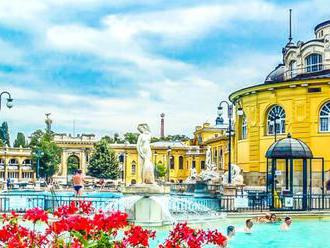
(161, 170)
(50, 153)
(20, 140)
(4, 134)
(131, 137)
(103, 162)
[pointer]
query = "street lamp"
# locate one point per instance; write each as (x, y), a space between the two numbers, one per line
(10, 100)
(230, 116)
(38, 153)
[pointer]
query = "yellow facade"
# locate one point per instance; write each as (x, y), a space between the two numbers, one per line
(16, 164)
(302, 119)
(178, 158)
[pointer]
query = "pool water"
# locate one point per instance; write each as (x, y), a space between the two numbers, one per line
(307, 233)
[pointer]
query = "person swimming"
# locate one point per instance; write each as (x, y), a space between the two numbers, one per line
(286, 223)
(248, 226)
(264, 219)
(230, 232)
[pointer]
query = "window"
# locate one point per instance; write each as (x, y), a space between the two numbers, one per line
(325, 118)
(276, 115)
(172, 163)
(193, 164)
(180, 163)
(244, 128)
(13, 161)
(313, 62)
(133, 169)
(221, 159)
(293, 68)
(203, 165)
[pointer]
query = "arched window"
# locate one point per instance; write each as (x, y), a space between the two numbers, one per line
(313, 62)
(276, 115)
(133, 168)
(13, 161)
(325, 118)
(293, 68)
(244, 128)
(172, 163)
(180, 163)
(27, 162)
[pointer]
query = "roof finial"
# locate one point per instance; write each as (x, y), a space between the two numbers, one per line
(290, 26)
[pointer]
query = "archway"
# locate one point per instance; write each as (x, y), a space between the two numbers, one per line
(73, 164)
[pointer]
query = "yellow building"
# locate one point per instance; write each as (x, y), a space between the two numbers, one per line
(16, 164)
(214, 137)
(178, 158)
(295, 98)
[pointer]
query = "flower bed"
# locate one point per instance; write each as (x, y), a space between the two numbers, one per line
(78, 225)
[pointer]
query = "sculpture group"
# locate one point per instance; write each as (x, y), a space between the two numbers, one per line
(209, 174)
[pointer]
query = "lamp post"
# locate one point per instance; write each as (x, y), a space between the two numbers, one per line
(38, 153)
(230, 116)
(5, 169)
(9, 105)
(9, 99)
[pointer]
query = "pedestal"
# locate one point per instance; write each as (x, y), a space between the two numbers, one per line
(145, 189)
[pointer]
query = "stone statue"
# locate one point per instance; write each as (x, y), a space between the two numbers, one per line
(236, 176)
(211, 169)
(144, 151)
(48, 122)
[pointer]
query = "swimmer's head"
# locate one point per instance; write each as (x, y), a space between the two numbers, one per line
(249, 223)
(288, 220)
(230, 230)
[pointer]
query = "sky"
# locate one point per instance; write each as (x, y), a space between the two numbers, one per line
(103, 66)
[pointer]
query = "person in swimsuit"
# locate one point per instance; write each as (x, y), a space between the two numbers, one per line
(78, 182)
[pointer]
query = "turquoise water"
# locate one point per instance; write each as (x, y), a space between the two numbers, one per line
(311, 233)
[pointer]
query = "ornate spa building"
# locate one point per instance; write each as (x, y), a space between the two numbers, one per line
(294, 98)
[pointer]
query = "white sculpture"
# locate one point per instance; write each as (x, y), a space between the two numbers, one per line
(193, 176)
(236, 176)
(145, 154)
(211, 169)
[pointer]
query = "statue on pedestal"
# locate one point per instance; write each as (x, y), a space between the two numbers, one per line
(236, 176)
(145, 154)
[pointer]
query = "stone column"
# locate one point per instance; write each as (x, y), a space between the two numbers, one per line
(64, 164)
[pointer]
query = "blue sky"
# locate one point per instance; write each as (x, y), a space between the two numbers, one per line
(111, 64)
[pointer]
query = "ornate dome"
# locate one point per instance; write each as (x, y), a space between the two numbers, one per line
(277, 75)
(289, 148)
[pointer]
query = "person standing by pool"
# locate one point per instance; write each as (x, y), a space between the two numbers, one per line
(78, 182)
(248, 226)
(230, 232)
(286, 224)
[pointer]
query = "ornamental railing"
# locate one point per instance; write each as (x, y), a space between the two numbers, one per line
(246, 202)
(301, 70)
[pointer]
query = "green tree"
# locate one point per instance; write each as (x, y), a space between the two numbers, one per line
(4, 134)
(161, 170)
(108, 139)
(51, 153)
(73, 164)
(103, 162)
(131, 137)
(20, 140)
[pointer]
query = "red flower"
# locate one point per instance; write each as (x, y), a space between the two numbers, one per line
(36, 214)
(137, 236)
